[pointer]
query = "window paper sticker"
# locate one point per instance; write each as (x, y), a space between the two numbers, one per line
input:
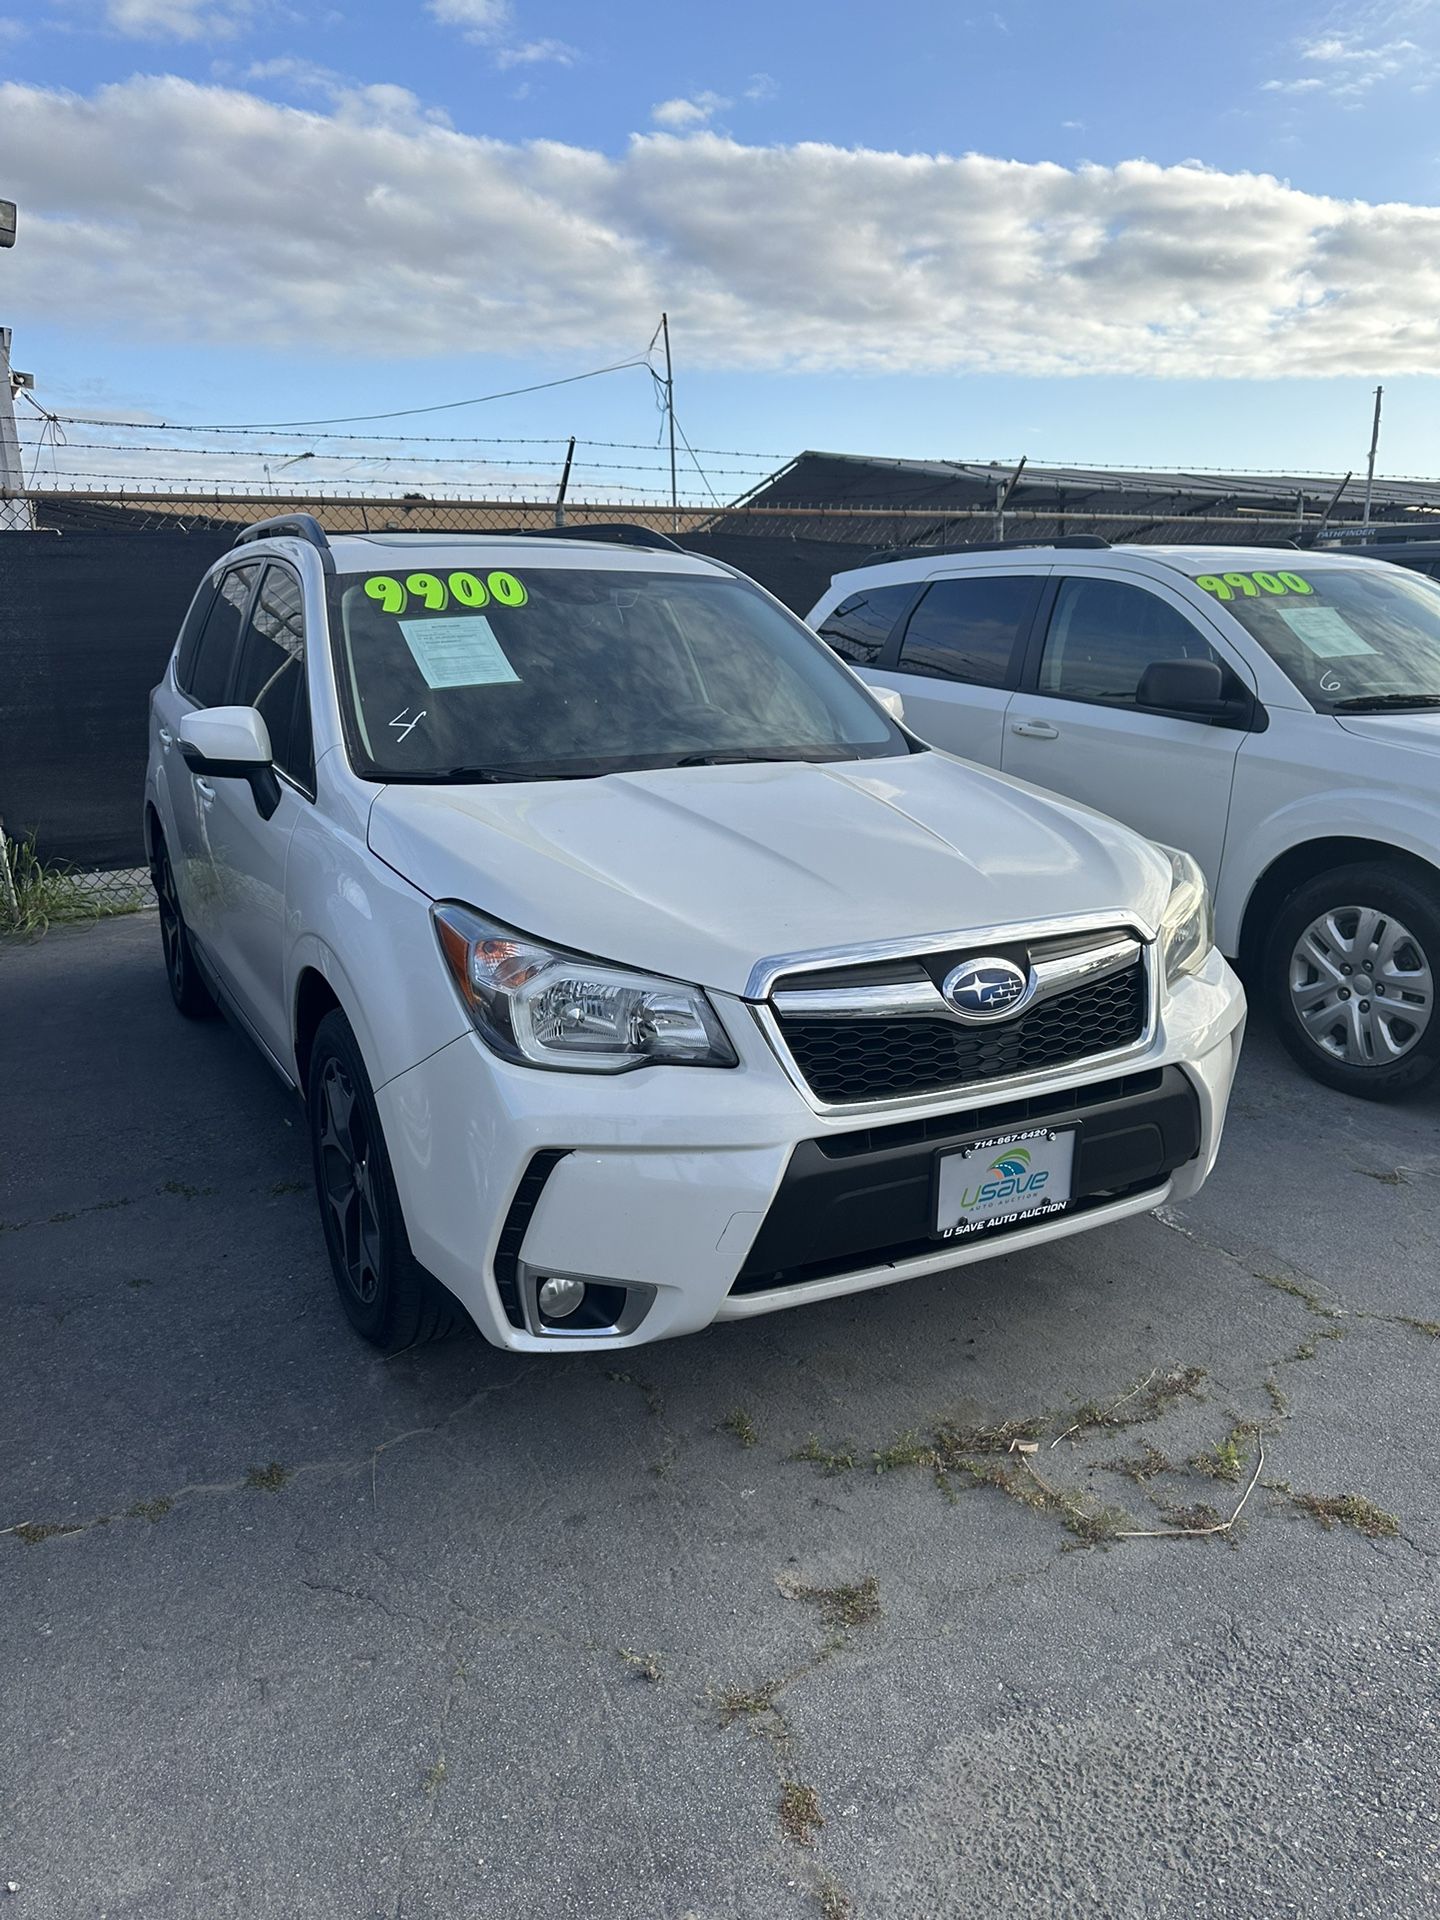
(1327, 634)
(461, 651)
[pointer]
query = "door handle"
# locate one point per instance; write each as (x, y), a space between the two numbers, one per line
(167, 738)
(205, 790)
(1035, 729)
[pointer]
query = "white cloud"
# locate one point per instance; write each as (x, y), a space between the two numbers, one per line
(682, 115)
(202, 214)
(1360, 48)
(11, 28)
(760, 87)
(491, 23)
(176, 19)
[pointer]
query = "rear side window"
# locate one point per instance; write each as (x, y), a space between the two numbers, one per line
(215, 655)
(190, 634)
(859, 627)
(272, 672)
(1103, 634)
(968, 629)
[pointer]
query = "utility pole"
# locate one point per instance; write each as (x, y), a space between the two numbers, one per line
(1370, 470)
(670, 409)
(15, 511)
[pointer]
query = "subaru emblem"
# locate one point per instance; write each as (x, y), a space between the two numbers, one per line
(988, 988)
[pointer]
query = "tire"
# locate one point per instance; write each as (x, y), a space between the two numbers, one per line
(1350, 972)
(187, 985)
(388, 1297)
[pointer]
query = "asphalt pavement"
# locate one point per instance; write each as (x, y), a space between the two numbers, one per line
(290, 1632)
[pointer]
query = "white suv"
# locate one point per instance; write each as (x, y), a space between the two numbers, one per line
(1276, 713)
(636, 968)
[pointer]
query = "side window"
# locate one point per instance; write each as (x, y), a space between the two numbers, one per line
(967, 629)
(1104, 633)
(190, 634)
(272, 672)
(210, 672)
(859, 627)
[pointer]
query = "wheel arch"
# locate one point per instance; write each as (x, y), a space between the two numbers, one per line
(1305, 861)
(314, 998)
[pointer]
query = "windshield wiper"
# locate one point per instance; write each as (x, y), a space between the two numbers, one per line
(1375, 702)
(486, 776)
(782, 756)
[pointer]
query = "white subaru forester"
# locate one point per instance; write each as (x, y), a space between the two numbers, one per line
(636, 967)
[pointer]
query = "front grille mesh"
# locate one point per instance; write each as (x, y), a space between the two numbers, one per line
(847, 1061)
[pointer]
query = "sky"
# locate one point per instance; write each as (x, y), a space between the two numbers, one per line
(1091, 231)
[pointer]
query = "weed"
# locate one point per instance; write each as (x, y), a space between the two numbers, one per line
(1307, 1296)
(654, 1403)
(32, 1532)
(1193, 1519)
(834, 1902)
(953, 1440)
(1394, 1177)
(830, 1460)
(267, 1479)
(908, 1451)
(1346, 1510)
(184, 1190)
(1278, 1397)
(50, 892)
(800, 1815)
(741, 1425)
(289, 1186)
(1141, 1466)
(1153, 1398)
(434, 1777)
(1226, 1461)
(1306, 1350)
(150, 1509)
(745, 1703)
(853, 1605)
(139, 1280)
(1431, 1328)
(644, 1666)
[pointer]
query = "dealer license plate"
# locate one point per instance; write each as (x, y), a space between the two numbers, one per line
(998, 1181)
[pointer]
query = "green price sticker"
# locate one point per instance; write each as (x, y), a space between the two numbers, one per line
(1225, 586)
(433, 593)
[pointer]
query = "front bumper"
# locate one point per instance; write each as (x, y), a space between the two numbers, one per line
(688, 1181)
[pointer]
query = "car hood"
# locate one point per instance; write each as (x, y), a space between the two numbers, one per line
(701, 872)
(1419, 730)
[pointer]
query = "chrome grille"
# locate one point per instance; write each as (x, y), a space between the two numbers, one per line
(857, 1043)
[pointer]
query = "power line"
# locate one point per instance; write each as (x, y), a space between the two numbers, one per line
(395, 413)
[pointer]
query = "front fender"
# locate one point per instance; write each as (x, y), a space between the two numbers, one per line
(368, 933)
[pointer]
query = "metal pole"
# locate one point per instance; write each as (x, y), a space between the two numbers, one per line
(1333, 503)
(1374, 443)
(564, 483)
(15, 511)
(1003, 500)
(670, 409)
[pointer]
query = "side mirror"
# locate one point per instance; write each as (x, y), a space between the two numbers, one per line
(232, 743)
(891, 701)
(1184, 686)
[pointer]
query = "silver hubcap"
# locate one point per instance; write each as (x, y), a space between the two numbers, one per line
(1361, 986)
(348, 1181)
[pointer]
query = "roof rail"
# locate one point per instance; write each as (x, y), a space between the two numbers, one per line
(620, 531)
(299, 526)
(885, 554)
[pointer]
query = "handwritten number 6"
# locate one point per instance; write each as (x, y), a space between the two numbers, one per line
(388, 592)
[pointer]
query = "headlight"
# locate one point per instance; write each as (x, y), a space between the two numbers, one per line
(1187, 931)
(551, 1009)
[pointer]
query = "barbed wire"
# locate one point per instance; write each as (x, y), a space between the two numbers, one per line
(375, 459)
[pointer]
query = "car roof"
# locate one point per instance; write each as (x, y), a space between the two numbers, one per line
(381, 551)
(1187, 560)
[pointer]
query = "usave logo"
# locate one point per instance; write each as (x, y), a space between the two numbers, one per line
(1007, 1177)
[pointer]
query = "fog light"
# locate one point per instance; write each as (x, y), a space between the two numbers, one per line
(560, 1297)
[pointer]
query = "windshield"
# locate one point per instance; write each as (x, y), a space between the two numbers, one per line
(551, 672)
(1351, 639)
